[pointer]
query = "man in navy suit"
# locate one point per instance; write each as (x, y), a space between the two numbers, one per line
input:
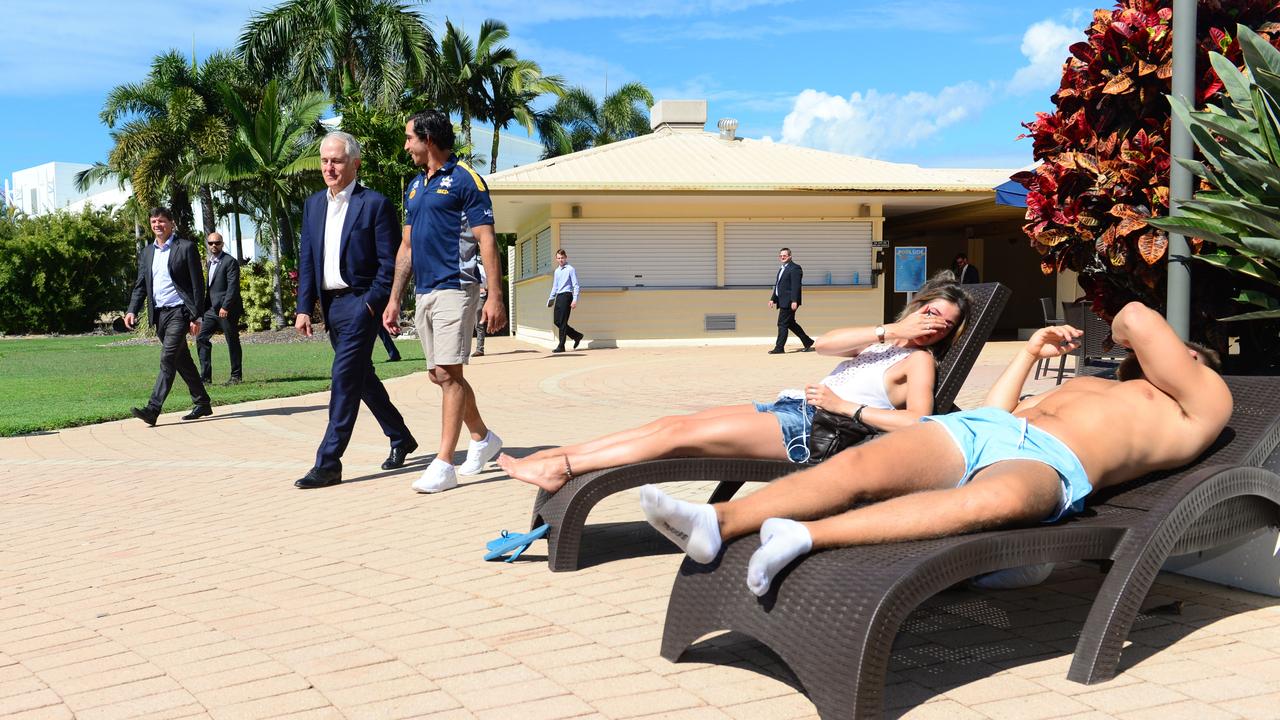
(346, 260)
(170, 281)
(786, 297)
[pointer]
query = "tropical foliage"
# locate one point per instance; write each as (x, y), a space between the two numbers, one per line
(515, 86)
(462, 68)
(165, 126)
(577, 121)
(271, 148)
(372, 48)
(1237, 210)
(60, 271)
(1104, 151)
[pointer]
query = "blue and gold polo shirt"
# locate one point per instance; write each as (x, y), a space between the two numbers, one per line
(440, 211)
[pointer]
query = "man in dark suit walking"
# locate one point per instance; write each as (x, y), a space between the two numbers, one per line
(966, 273)
(170, 281)
(786, 297)
(346, 260)
(223, 312)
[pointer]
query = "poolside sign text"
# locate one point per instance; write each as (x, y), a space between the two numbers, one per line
(909, 265)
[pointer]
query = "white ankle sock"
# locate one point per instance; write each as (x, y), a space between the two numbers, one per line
(781, 541)
(691, 526)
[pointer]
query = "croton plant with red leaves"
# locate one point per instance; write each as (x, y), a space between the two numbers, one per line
(1104, 152)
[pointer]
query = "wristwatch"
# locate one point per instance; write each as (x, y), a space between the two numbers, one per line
(880, 333)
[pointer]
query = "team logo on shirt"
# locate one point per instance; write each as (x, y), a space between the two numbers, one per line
(447, 182)
(413, 189)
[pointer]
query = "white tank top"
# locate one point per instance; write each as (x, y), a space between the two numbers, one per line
(861, 379)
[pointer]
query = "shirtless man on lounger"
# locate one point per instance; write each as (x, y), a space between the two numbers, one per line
(1008, 463)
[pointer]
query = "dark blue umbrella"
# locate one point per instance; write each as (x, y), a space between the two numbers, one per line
(1011, 193)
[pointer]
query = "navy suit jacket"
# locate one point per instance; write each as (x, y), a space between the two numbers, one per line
(787, 289)
(369, 240)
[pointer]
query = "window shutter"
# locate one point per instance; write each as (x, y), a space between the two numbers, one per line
(642, 254)
(831, 253)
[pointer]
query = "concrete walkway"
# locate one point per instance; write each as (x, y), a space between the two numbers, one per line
(175, 572)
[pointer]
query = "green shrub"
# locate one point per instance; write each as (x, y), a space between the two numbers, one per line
(255, 293)
(59, 272)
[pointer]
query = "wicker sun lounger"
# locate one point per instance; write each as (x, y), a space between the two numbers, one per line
(833, 616)
(566, 510)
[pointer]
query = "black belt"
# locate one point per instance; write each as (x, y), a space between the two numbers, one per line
(338, 293)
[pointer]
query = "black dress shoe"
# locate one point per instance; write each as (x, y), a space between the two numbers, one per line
(234, 381)
(558, 350)
(808, 348)
(198, 412)
(398, 454)
(776, 351)
(145, 415)
(317, 478)
(577, 340)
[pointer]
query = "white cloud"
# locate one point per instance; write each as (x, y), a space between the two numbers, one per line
(62, 47)
(519, 12)
(1044, 44)
(872, 124)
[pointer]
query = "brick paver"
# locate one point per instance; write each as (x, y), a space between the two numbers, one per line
(205, 585)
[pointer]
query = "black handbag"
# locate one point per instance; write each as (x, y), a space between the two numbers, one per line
(832, 432)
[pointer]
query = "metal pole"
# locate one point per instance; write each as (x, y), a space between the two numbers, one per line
(1178, 301)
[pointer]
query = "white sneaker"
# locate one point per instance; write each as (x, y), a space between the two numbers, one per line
(481, 452)
(438, 477)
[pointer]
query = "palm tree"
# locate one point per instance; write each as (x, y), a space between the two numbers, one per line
(462, 67)
(172, 122)
(374, 47)
(270, 148)
(167, 127)
(576, 122)
(514, 86)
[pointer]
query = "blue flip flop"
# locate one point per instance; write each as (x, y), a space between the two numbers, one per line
(507, 542)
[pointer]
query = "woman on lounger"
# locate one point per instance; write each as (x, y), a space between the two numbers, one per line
(887, 382)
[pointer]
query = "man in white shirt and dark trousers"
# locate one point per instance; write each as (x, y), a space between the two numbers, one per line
(170, 282)
(484, 296)
(786, 298)
(564, 297)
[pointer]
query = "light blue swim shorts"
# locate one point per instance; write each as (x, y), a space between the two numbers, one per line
(988, 435)
(795, 416)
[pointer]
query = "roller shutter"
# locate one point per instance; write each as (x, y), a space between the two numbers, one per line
(641, 254)
(830, 252)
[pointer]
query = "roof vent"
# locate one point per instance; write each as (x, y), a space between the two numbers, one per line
(727, 127)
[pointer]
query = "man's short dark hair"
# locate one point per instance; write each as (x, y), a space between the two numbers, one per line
(785, 250)
(435, 127)
(562, 251)
(161, 211)
(962, 256)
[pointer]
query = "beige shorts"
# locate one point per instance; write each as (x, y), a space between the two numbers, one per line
(439, 320)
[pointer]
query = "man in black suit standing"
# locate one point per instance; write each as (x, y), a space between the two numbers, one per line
(170, 281)
(346, 260)
(786, 298)
(966, 273)
(223, 311)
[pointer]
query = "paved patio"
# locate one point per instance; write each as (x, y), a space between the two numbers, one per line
(175, 572)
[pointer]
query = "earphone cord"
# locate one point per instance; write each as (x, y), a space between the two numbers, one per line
(803, 438)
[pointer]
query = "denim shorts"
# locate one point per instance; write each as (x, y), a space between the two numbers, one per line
(795, 416)
(989, 435)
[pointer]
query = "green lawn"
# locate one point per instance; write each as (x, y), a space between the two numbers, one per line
(52, 383)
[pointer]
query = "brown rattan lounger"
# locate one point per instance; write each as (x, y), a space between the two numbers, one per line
(566, 510)
(832, 617)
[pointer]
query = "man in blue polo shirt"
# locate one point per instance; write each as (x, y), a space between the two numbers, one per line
(448, 224)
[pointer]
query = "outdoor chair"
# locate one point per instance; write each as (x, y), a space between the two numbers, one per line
(1050, 319)
(833, 615)
(566, 510)
(1091, 356)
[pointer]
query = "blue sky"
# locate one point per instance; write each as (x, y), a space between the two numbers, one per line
(932, 82)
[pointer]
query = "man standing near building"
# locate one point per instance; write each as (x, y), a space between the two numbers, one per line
(170, 281)
(786, 298)
(223, 311)
(966, 274)
(484, 297)
(345, 259)
(564, 296)
(441, 253)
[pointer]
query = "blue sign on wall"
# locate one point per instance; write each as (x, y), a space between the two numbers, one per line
(909, 264)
